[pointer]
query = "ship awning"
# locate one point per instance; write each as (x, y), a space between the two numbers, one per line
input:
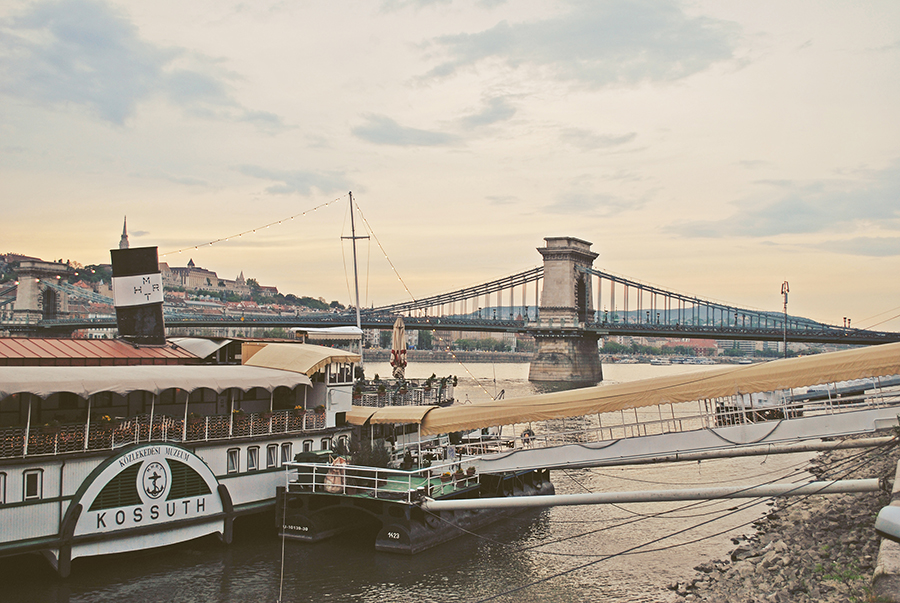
(873, 361)
(359, 415)
(85, 381)
(199, 346)
(296, 357)
(51, 351)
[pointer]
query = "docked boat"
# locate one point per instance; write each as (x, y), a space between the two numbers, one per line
(110, 446)
(108, 459)
(320, 500)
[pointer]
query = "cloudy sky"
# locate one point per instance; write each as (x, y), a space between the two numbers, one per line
(715, 148)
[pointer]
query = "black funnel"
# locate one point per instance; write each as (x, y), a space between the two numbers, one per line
(138, 291)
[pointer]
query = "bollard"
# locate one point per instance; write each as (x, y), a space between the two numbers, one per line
(886, 578)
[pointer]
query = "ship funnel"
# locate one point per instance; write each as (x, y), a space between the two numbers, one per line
(138, 293)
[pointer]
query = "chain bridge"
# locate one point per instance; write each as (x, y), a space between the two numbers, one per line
(566, 304)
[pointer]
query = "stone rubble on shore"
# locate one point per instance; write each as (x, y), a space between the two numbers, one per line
(806, 549)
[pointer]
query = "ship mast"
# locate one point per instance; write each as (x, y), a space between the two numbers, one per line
(353, 238)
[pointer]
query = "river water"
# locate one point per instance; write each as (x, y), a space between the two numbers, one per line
(625, 552)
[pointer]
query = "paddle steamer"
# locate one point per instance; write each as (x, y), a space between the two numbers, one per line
(109, 446)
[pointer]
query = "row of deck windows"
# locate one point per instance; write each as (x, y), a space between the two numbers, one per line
(32, 485)
(272, 457)
(233, 464)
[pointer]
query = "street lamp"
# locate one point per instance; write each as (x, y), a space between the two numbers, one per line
(785, 288)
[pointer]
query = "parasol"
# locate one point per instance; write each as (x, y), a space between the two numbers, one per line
(398, 349)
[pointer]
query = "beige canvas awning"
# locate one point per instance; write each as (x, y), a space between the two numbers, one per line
(358, 415)
(873, 361)
(296, 357)
(388, 414)
(84, 381)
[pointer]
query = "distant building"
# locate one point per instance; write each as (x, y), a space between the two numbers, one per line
(194, 278)
(123, 241)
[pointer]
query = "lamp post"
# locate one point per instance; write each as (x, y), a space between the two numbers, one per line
(785, 288)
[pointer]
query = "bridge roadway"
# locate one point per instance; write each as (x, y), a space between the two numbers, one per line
(807, 333)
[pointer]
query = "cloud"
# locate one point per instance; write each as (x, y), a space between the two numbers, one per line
(865, 246)
(587, 140)
(297, 181)
(599, 44)
(808, 208)
(502, 199)
(497, 109)
(596, 205)
(380, 129)
(184, 180)
(85, 53)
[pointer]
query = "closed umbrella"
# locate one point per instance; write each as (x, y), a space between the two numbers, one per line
(398, 349)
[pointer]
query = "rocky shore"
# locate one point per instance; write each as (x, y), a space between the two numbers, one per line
(806, 549)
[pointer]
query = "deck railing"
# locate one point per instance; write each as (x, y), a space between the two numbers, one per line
(17, 442)
(375, 482)
(672, 418)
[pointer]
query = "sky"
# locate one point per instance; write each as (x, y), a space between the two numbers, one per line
(715, 148)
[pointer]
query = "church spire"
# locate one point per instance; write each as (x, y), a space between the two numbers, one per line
(123, 242)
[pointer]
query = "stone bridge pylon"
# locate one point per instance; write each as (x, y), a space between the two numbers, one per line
(35, 300)
(565, 351)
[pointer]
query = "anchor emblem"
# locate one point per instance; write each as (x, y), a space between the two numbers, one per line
(155, 479)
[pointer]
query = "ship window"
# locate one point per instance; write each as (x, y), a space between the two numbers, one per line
(272, 456)
(307, 445)
(32, 484)
(233, 460)
(286, 453)
(326, 444)
(68, 401)
(2, 488)
(102, 400)
(253, 458)
(204, 394)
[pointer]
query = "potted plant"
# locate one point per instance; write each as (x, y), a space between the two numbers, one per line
(51, 427)
(446, 477)
(470, 471)
(320, 409)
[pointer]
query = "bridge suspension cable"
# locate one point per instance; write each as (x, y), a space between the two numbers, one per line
(682, 308)
(494, 286)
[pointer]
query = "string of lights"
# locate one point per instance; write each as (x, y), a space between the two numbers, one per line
(252, 230)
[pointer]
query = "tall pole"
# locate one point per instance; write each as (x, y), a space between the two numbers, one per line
(785, 288)
(353, 237)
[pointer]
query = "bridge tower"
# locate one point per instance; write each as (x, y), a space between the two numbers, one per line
(565, 351)
(35, 300)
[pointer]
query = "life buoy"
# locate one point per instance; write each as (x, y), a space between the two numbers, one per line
(527, 436)
(334, 481)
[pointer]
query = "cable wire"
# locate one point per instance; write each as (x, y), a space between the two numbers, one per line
(252, 230)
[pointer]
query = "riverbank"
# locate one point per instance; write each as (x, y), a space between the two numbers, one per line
(806, 549)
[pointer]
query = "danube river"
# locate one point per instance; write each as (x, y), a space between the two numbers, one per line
(589, 553)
